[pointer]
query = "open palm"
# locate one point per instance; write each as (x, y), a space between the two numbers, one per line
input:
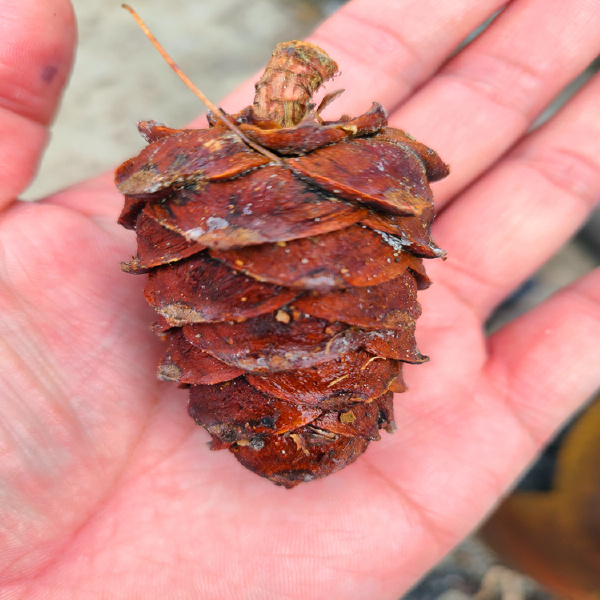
(106, 487)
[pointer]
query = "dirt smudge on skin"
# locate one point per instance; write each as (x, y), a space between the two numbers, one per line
(49, 73)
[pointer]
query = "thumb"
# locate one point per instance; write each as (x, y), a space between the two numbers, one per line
(37, 40)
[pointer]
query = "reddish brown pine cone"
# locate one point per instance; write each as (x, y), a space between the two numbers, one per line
(285, 275)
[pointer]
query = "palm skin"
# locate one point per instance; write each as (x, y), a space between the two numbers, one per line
(107, 488)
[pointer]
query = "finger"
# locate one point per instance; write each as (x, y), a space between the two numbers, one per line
(36, 47)
(485, 98)
(518, 215)
(387, 49)
(547, 362)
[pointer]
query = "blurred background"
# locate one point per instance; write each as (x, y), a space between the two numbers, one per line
(120, 79)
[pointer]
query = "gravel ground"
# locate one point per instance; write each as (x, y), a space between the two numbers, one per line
(472, 572)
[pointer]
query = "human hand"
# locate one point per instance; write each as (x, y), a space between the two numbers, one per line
(107, 488)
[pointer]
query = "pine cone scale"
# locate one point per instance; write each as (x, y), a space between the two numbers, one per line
(186, 364)
(209, 155)
(357, 376)
(158, 246)
(383, 306)
(269, 343)
(201, 289)
(236, 411)
(354, 256)
(378, 175)
(268, 204)
(413, 233)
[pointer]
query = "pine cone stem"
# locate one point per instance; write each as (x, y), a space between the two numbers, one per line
(294, 73)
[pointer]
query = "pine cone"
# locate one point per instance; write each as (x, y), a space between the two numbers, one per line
(285, 274)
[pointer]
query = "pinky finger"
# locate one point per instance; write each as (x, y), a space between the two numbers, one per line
(547, 362)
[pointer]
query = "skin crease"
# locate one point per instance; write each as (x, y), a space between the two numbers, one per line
(106, 487)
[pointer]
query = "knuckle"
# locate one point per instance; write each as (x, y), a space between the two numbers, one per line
(569, 170)
(499, 80)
